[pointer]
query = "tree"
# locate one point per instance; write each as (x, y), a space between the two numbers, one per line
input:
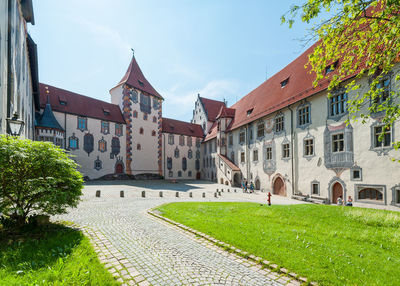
(365, 37)
(36, 177)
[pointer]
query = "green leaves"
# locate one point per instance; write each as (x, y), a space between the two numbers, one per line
(36, 176)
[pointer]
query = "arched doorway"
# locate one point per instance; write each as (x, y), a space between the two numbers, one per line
(337, 191)
(119, 168)
(236, 180)
(257, 184)
(279, 187)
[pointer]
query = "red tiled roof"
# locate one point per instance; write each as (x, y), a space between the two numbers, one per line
(212, 107)
(229, 163)
(212, 133)
(226, 112)
(181, 127)
(135, 78)
(79, 104)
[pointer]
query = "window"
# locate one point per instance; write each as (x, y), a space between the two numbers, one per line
(242, 158)
(315, 188)
(169, 163)
(102, 145)
(356, 173)
(184, 164)
(182, 140)
(268, 153)
(249, 111)
(170, 174)
(154, 119)
(233, 157)
(338, 104)
(82, 123)
(105, 127)
(284, 82)
(230, 139)
(145, 116)
(338, 142)
(304, 115)
(190, 154)
(309, 147)
(189, 141)
(285, 150)
(370, 194)
(198, 142)
(189, 173)
(73, 142)
(384, 87)
(145, 104)
(242, 136)
(153, 133)
(330, 68)
(279, 123)
(176, 152)
(260, 129)
(141, 130)
(171, 139)
(135, 114)
(179, 173)
(255, 155)
(118, 129)
(98, 165)
(156, 103)
(386, 134)
(197, 154)
(115, 147)
(134, 96)
(138, 147)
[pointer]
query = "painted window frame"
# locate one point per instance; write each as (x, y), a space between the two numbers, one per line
(84, 120)
(105, 127)
(338, 98)
(381, 150)
(74, 138)
(260, 130)
(119, 129)
(279, 123)
(359, 187)
(312, 184)
(102, 141)
(355, 168)
(171, 139)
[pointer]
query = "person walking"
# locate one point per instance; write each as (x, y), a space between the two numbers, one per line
(251, 187)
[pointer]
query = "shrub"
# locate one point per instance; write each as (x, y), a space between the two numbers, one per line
(36, 177)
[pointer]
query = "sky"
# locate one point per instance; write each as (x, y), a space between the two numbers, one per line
(220, 49)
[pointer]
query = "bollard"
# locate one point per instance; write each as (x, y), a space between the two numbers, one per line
(161, 194)
(177, 194)
(121, 194)
(228, 191)
(143, 194)
(222, 190)
(204, 195)
(190, 195)
(217, 190)
(98, 194)
(216, 195)
(235, 190)
(220, 194)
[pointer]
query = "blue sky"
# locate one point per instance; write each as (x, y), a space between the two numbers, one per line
(218, 48)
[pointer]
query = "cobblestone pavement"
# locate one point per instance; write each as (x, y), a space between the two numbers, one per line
(142, 250)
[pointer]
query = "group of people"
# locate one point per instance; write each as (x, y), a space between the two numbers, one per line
(349, 202)
(246, 188)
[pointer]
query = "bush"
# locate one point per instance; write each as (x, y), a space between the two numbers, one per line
(36, 177)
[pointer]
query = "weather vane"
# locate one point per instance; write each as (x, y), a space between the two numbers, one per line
(133, 51)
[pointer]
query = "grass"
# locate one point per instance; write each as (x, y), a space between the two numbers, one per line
(51, 255)
(327, 244)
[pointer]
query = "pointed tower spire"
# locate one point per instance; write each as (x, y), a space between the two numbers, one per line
(135, 78)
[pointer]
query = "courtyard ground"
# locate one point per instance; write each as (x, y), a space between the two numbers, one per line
(140, 249)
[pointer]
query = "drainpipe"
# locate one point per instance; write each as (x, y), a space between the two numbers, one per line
(248, 153)
(9, 111)
(292, 147)
(164, 155)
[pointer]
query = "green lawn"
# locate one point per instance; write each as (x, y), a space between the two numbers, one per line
(328, 244)
(52, 255)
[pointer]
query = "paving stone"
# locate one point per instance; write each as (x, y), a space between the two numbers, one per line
(154, 251)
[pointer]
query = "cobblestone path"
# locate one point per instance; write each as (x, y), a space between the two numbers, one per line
(142, 250)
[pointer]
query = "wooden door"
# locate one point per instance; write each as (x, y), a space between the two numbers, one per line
(119, 169)
(279, 187)
(337, 191)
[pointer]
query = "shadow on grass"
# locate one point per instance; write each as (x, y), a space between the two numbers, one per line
(36, 248)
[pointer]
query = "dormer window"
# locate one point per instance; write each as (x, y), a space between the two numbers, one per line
(140, 82)
(284, 82)
(62, 100)
(249, 111)
(330, 68)
(106, 111)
